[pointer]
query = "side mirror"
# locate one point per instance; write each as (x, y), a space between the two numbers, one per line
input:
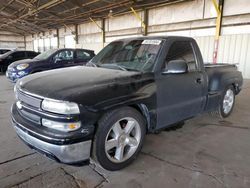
(176, 67)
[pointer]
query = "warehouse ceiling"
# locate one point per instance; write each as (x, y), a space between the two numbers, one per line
(33, 16)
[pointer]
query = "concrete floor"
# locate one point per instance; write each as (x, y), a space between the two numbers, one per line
(206, 152)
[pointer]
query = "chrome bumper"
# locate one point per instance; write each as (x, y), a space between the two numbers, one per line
(72, 153)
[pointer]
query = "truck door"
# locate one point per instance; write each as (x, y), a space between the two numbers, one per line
(180, 96)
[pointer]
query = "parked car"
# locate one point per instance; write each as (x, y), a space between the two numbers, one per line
(51, 59)
(4, 50)
(11, 56)
(136, 86)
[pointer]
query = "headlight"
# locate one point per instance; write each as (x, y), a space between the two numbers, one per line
(61, 126)
(60, 107)
(22, 66)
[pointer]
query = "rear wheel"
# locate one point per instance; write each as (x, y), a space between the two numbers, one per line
(119, 138)
(227, 102)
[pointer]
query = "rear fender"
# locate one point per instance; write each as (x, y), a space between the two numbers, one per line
(218, 82)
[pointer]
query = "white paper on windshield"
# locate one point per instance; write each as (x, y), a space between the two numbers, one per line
(153, 42)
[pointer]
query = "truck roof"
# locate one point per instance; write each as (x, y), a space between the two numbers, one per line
(160, 37)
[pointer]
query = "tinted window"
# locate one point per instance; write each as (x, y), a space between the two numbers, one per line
(31, 54)
(64, 55)
(18, 55)
(182, 50)
(80, 54)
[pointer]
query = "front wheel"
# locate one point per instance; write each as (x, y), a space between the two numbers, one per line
(119, 138)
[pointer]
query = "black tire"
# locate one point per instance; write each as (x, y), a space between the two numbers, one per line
(104, 127)
(220, 111)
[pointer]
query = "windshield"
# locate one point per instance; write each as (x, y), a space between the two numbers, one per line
(137, 55)
(45, 54)
(3, 51)
(6, 54)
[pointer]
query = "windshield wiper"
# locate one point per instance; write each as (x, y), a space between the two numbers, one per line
(91, 63)
(131, 69)
(107, 65)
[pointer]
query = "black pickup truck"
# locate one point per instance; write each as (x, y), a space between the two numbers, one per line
(132, 87)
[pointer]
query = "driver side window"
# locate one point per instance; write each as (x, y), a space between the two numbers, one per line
(182, 50)
(64, 55)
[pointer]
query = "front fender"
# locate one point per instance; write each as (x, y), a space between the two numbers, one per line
(144, 100)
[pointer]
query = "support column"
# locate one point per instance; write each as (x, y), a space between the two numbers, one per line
(57, 35)
(103, 32)
(145, 19)
(219, 10)
(76, 34)
(24, 39)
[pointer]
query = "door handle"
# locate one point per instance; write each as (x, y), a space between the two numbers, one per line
(199, 80)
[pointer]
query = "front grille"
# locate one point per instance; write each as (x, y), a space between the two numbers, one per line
(28, 99)
(31, 117)
(29, 104)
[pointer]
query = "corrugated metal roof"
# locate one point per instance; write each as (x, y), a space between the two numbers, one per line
(27, 17)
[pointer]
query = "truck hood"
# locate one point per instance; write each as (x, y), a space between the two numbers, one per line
(83, 85)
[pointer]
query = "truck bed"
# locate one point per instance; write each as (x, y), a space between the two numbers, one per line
(219, 65)
(220, 74)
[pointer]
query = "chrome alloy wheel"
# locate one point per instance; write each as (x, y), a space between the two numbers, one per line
(123, 140)
(228, 101)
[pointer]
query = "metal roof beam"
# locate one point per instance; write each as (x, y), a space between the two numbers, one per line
(32, 12)
(4, 7)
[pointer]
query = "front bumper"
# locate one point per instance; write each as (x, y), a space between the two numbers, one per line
(13, 76)
(70, 154)
(66, 147)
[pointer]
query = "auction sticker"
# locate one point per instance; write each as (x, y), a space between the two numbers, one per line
(153, 42)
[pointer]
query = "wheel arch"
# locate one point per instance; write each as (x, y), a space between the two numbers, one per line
(143, 110)
(36, 71)
(236, 88)
(218, 81)
(140, 107)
